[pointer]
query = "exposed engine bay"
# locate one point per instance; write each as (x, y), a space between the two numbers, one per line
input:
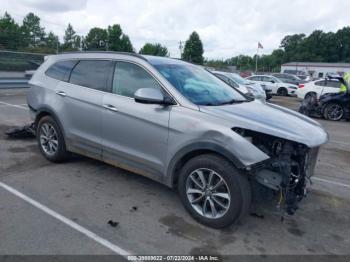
(287, 172)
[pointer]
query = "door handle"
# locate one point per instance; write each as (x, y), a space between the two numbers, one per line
(110, 107)
(61, 93)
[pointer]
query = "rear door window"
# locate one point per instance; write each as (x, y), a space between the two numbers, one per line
(61, 70)
(95, 74)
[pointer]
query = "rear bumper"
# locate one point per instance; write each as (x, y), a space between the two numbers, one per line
(32, 113)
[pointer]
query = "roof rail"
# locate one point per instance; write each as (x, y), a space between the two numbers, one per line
(105, 52)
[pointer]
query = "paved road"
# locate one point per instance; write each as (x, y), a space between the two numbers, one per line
(65, 208)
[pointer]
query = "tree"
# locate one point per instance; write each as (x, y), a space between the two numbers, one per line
(10, 33)
(52, 41)
(193, 50)
(33, 33)
(70, 39)
(96, 39)
(117, 40)
(154, 49)
(78, 42)
(292, 46)
(343, 43)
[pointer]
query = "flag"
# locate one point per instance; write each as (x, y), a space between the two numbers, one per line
(260, 45)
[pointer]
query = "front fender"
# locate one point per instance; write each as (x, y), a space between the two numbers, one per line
(238, 160)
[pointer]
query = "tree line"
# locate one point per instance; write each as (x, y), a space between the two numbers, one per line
(319, 46)
(30, 36)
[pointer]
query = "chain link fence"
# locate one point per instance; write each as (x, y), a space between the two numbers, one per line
(14, 61)
(16, 68)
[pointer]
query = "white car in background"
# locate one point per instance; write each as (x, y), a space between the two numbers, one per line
(278, 87)
(318, 88)
(243, 85)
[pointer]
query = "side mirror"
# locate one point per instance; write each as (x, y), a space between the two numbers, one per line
(272, 81)
(151, 96)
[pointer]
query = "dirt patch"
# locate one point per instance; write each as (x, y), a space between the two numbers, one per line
(29, 163)
(28, 148)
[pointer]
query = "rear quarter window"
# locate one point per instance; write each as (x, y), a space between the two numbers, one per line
(335, 84)
(61, 70)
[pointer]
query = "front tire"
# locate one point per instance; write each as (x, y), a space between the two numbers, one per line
(311, 95)
(50, 140)
(213, 191)
(282, 91)
(333, 112)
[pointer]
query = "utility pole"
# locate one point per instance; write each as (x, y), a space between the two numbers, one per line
(180, 48)
(256, 60)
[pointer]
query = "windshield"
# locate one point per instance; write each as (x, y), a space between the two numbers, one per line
(198, 85)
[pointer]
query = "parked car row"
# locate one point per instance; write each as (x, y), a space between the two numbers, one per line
(289, 78)
(320, 98)
(246, 87)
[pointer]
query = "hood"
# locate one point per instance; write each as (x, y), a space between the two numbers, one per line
(272, 120)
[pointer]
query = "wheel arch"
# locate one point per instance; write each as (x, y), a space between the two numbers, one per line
(282, 88)
(191, 151)
(46, 111)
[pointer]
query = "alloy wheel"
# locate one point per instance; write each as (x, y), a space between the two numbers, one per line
(208, 193)
(335, 112)
(48, 139)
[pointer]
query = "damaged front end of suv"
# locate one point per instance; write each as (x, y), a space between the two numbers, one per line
(288, 170)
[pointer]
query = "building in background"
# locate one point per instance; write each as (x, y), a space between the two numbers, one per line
(315, 70)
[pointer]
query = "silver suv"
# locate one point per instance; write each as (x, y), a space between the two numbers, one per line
(178, 124)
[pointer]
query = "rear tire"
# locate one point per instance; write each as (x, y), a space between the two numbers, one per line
(333, 112)
(50, 140)
(214, 203)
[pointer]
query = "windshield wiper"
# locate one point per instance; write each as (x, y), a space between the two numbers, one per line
(233, 101)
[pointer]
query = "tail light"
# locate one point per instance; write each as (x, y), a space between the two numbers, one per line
(301, 85)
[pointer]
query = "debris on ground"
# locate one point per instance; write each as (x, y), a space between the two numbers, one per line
(257, 215)
(134, 208)
(26, 131)
(113, 223)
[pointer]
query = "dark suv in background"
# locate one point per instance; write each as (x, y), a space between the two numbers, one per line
(289, 78)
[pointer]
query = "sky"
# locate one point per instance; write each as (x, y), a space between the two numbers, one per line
(226, 27)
